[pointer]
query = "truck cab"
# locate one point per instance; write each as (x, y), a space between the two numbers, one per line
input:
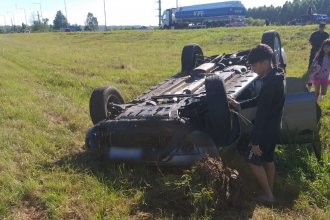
(168, 18)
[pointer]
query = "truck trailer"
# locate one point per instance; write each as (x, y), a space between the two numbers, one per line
(230, 13)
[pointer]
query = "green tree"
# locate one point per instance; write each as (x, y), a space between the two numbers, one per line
(40, 26)
(45, 21)
(76, 27)
(24, 27)
(60, 21)
(289, 11)
(91, 23)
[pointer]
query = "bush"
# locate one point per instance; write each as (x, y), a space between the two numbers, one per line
(255, 22)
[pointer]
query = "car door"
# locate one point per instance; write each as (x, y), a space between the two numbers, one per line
(301, 113)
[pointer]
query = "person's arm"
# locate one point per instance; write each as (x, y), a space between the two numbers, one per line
(249, 103)
(263, 109)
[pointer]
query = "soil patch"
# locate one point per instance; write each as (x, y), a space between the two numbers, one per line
(31, 209)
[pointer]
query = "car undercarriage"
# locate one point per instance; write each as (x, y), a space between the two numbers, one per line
(187, 116)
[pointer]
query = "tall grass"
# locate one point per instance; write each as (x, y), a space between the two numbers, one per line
(45, 83)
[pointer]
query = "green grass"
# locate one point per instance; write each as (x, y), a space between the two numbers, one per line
(45, 83)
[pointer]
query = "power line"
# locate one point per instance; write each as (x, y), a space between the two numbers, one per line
(24, 13)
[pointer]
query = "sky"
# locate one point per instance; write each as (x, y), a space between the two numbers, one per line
(118, 12)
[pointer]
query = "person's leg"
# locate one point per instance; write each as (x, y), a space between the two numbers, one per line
(270, 172)
(269, 154)
(261, 176)
(311, 57)
(317, 90)
(324, 87)
(309, 86)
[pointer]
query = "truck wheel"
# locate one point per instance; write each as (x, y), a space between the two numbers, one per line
(218, 110)
(273, 39)
(100, 103)
(189, 57)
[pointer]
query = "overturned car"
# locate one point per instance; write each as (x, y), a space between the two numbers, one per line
(187, 116)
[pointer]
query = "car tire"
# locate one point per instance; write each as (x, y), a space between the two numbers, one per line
(99, 103)
(189, 57)
(218, 110)
(273, 39)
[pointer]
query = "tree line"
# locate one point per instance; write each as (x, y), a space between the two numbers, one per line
(290, 10)
(60, 22)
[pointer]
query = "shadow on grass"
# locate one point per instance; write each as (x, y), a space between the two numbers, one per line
(298, 169)
(167, 192)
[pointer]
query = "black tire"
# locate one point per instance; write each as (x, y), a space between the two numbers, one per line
(273, 39)
(189, 57)
(99, 103)
(218, 110)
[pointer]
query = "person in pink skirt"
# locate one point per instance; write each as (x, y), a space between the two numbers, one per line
(320, 70)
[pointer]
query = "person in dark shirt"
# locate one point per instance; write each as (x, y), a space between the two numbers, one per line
(265, 133)
(310, 12)
(316, 40)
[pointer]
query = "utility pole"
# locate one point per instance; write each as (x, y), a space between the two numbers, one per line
(37, 3)
(105, 16)
(177, 3)
(39, 17)
(12, 19)
(160, 13)
(66, 14)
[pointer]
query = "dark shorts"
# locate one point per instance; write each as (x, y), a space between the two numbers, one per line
(266, 157)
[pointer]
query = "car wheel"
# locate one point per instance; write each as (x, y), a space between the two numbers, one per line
(100, 103)
(189, 57)
(273, 39)
(218, 110)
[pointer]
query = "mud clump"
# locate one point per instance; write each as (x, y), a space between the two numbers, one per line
(224, 181)
(206, 188)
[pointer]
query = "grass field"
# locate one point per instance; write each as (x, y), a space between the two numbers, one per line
(45, 83)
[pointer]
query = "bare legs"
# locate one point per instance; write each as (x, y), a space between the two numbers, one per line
(320, 91)
(265, 177)
(317, 91)
(270, 172)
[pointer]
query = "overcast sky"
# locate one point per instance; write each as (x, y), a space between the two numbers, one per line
(119, 12)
